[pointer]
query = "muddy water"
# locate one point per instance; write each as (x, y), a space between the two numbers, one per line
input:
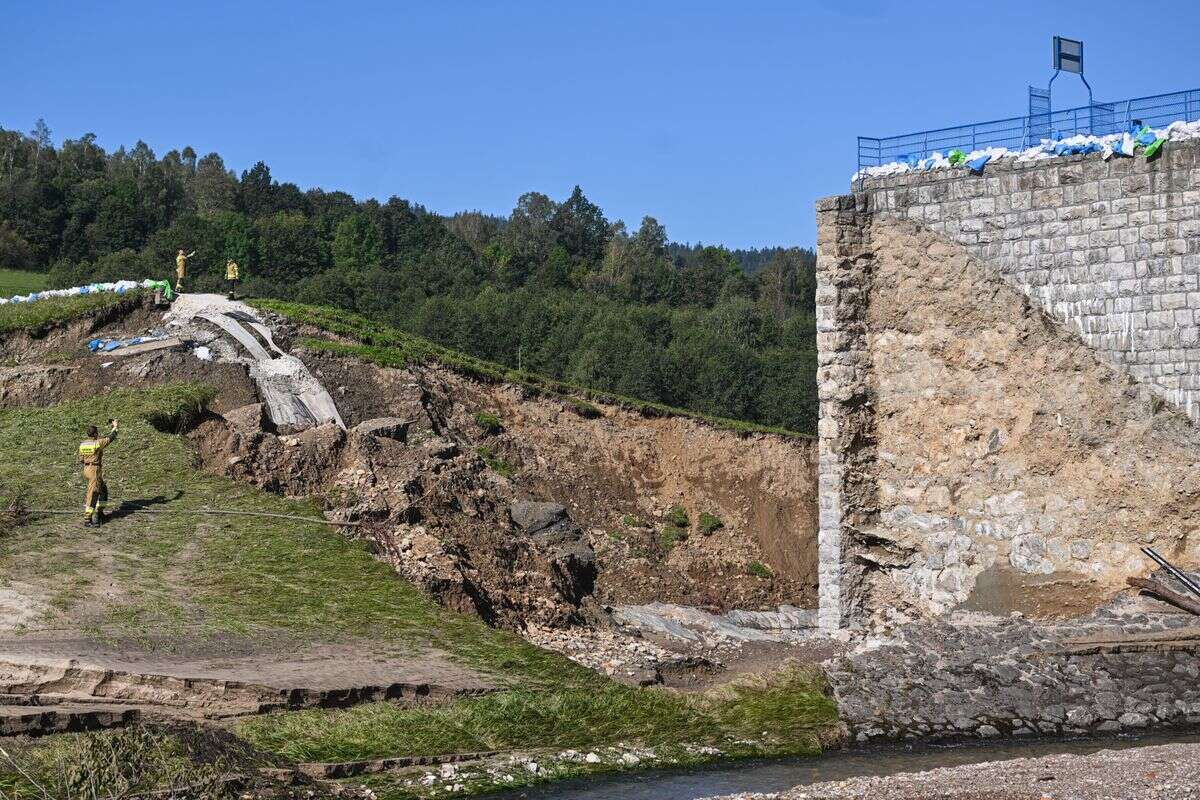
(777, 775)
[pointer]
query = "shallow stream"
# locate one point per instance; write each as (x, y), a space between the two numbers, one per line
(777, 775)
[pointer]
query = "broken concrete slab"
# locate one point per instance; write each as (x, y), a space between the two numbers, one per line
(295, 399)
(170, 343)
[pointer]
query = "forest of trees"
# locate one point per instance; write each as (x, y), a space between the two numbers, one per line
(556, 285)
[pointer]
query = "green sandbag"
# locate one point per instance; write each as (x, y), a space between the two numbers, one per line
(1153, 148)
(164, 287)
(956, 157)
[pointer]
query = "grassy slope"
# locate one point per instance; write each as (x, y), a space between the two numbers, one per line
(36, 318)
(194, 577)
(391, 347)
(785, 715)
(16, 281)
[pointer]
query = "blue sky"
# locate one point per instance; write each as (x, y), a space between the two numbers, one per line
(724, 120)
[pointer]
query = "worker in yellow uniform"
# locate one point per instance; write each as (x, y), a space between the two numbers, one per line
(231, 276)
(181, 268)
(91, 456)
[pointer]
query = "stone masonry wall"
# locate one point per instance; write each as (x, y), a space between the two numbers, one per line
(974, 452)
(1112, 248)
(938, 681)
(843, 385)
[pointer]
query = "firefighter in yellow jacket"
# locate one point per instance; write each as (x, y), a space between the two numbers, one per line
(91, 456)
(231, 276)
(181, 268)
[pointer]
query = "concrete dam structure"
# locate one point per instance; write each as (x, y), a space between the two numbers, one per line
(1008, 375)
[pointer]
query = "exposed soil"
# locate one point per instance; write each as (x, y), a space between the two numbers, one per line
(619, 476)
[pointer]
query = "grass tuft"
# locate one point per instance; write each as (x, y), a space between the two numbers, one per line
(125, 763)
(489, 423)
(759, 570)
(495, 463)
(709, 523)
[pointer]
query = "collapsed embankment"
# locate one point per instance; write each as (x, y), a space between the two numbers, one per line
(514, 506)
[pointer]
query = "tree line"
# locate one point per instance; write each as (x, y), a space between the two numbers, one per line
(555, 287)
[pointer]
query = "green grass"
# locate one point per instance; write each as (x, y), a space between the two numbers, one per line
(785, 714)
(390, 347)
(489, 423)
(18, 281)
(709, 523)
(39, 317)
(122, 763)
(678, 517)
(197, 576)
(758, 570)
(669, 536)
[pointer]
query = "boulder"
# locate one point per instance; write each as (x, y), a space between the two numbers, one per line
(246, 419)
(534, 517)
(385, 428)
(562, 543)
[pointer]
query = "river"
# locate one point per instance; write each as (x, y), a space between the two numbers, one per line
(780, 774)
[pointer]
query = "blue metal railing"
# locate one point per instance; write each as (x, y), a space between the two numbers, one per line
(1100, 119)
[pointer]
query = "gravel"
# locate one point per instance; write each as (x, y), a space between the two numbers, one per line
(1169, 772)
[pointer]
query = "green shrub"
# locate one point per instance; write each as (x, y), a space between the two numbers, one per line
(710, 523)
(669, 536)
(490, 423)
(630, 521)
(758, 570)
(584, 408)
(678, 517)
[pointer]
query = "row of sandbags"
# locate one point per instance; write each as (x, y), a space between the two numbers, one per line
(1145, 141)
(120, 287)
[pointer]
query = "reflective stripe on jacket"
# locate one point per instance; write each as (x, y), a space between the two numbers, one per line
(91, 451)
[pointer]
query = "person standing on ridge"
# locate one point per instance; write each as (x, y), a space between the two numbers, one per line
(91, 456)
(231, 276)
(181, 268)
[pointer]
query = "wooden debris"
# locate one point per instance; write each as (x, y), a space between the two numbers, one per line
(1167, 594)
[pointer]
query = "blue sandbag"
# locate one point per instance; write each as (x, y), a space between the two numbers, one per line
(1144, 137)
(976, 164)
(94, 345)
(911, 160)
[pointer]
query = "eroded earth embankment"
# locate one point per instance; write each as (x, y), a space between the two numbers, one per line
(562, 520)
(523, 509)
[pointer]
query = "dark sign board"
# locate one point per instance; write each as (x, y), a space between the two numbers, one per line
(1068, 54)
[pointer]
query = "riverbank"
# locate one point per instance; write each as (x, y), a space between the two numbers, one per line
(1146, 773)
